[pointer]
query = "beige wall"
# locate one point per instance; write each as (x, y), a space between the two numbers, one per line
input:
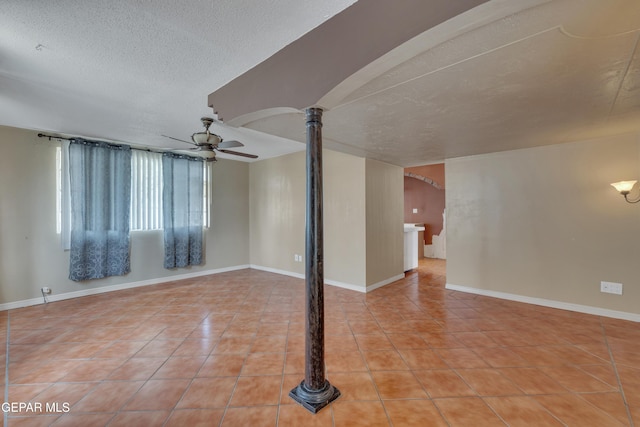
(385, 214)
(30, 253)
(278, 215)
(545, 223)
(277, 212)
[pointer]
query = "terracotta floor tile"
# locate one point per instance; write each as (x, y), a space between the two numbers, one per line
(475, 339)
(521, 411)
(354, 385)
(408, 341)
(195, 418)
(222, 365)
(26, 392)
(576, 380)
(157, 395)
(575, 355)
(488, 382)
(604, 373)
(233, 344)
(398, 385)
(422, 359)
(108, 396)
(256, 391)
(600, 350)
(441, 340)
(195, 347)
(294, 363)
(573, 410)
(295, 343)
(140, 418)
(344, 362)
(263, 364)
(467, 411)
(363, 327)
(635, 414)
(630, 379)
(81, 420)
(179, 367)
(461, 358)
(532, 381)
(507, 338)
(47, 372)
(289, 382)
(137, 369)
(418, 413)
(176, 332)
(269, 344)
(92, 370)
(373, 342)
(340, 343)
(228, 348)
(443, 383)
(359, 414)
(64, 393)
(384, 361)
(121, 349)
(208, 393)
(294, 415)
(36, 421)
(611, 403)
(259, 416)
(498, 357)
(276, 326)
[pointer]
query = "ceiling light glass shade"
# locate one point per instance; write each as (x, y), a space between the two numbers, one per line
(208, 154)
(624, 186)
(201, 138)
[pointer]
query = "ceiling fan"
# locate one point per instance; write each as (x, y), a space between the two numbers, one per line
(207, 143)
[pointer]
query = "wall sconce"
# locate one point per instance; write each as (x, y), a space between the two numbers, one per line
(624, 187)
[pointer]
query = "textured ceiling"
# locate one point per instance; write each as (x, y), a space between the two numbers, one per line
(503, 75)
(132, 70)
(506, 74)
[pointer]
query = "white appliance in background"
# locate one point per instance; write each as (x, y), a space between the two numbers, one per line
(411, 245)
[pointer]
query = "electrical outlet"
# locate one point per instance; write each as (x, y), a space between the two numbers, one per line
(611, 288)
(415, 210)
(297, 258)
(46, 290)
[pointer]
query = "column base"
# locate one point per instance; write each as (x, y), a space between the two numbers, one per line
(314, 400)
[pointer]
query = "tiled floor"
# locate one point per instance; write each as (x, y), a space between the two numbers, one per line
(226, 350)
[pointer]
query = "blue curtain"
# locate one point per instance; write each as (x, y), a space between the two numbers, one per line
(182, 208)
(100, 184)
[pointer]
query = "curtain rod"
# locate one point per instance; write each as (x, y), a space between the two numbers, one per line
(151, 150)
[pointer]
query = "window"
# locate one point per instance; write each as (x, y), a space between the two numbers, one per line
(146, 192)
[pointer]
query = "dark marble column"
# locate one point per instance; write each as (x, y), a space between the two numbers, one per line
(314, 392)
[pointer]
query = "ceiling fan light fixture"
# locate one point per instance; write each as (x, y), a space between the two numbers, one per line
(204, 138)
(208, 154)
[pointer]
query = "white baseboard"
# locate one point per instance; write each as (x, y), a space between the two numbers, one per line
(301, 276)
(385, 282)
(118, 287)
(548, 303)
(277, 271)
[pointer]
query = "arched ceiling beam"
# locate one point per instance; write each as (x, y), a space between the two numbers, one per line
(299, 75)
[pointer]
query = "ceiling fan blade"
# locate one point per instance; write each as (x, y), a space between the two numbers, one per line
(230, 144)
(176, 139)
(237, 153)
